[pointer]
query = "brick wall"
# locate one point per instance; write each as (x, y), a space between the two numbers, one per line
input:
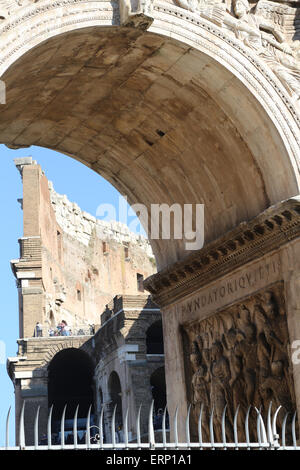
(71, 264)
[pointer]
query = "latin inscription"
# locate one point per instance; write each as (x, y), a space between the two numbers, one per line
(241, 282)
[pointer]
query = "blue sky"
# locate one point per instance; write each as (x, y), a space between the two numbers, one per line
(81, 185)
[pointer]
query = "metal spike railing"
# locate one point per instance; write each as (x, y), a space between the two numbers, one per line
(75, 427)
(88, 432)
(187, 428)
(235, 428)
(211, 427)
(151, 427)
(164, 429)
(247, 435)
(138, 427)
(113, 427)
(7, 429)
(49, 435)
(101, 436)
(294, 430)
(22, 428)
(126, 430)
(224, 425)
(226, 434)
(36, 428)
(62, 428)
(200, 426)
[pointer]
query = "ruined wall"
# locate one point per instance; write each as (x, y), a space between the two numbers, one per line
(120, 348)
(82, 262)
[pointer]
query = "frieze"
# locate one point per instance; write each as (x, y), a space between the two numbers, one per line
(240, 357)
(270, 28)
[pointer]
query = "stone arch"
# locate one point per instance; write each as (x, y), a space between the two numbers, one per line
(222, 111)
(60, 346)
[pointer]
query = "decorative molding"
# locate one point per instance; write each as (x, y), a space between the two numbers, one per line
(138, 16)
(267, 232)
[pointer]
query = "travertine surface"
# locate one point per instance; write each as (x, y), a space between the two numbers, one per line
(173, 102)
(270, 243)
(199, 107)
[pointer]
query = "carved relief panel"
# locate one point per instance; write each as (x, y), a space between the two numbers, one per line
(239, 357)
(270, 28)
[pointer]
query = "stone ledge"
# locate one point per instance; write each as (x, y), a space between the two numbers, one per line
(271, 229)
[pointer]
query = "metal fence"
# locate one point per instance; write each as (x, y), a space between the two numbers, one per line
(267, 437)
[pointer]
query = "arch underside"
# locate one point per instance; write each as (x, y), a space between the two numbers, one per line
(160, 120)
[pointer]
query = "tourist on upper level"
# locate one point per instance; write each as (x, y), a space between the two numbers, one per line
(38, 331)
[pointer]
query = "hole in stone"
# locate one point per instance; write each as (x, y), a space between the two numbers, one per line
(240, 240)
(278, 219)
(231, 245)
(214, 254)
(269, 224)
(249, 235)
(287, 215)
(160, 133)
(259, 229)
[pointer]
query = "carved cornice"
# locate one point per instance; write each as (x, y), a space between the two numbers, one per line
(270, 230)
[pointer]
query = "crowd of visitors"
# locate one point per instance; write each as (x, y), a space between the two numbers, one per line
(62, 329)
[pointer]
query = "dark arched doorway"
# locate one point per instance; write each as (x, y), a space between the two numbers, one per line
(70, 383)
(158, 388)
(115, 394)
(154, 338)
